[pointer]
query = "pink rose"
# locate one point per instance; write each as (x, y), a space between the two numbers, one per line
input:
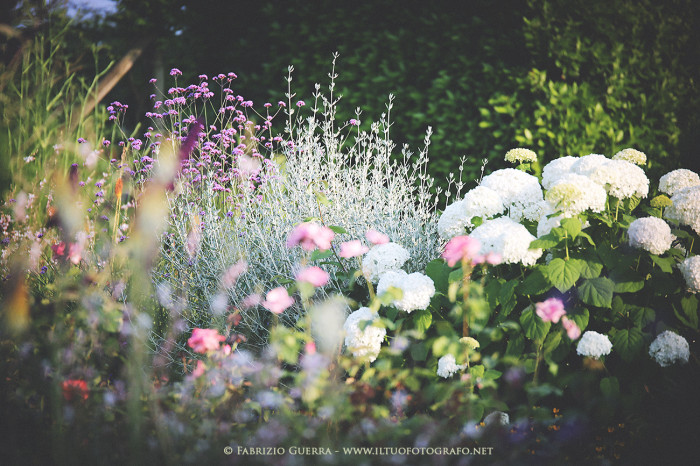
(352, 248)
(551, 310)
(277, 300)
(314, 275)
(461, 247)
(311, 236)
(204, 340)
(375, 237)
(571, 328)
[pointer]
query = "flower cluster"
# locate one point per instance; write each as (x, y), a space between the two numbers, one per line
(363, 342)
(520, 155)
(677, 180)
(690, 268)
(573, 194)
(447, 366)
(479, 202)
(651, 234)
(594, 345)
(417, 289)
(520, 191)
(383, 258)
(631, 155)
(685, 209)
(508, 239)
(669, 348)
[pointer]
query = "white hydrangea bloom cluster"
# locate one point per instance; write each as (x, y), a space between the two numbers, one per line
(669, 348)
(447, 366)
(521, 155)
(631, 155)
(453, 221)
(546, 223)
(573, 194)
(588, 164)
(557, 169)
(685, 209)
(509, 239)
(497, 418)
(367, 342)
(690, 268)
(480, 202)
(677, 180)
(417, 289)
(621, 179)
(519, 191)
(594, 345)
(382, 258)
(651, 234)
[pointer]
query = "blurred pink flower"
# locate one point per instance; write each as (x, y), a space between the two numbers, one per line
(461, 247)
(75, 389)
(492, 258)
(277, 300)
(375, 237)
(311, 236)
(551, 310)
(571, 328)
(232, 273)
(251, 300)
(352, 248)
(310, 347)
(204, 340)
(314, 275)
(199, 370)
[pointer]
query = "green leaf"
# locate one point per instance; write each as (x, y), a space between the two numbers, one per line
(516, 346)
(455, 276)
(535, 328)
(337, 229)
(534, 284)
(581, 318)
(591, 265)
(320, 255)
(627, 342)
(422, 320)
(476, 371)
(551, 342)
(642, 316)
(545, 242)
(492, 374)
(689, 306)
(563, 274)
(493, 290)
(588, 238)
(419, 352)
(627, 281)
(610, 387)
(597, 291)
(572, 226)
(438, 271)
(664, 263)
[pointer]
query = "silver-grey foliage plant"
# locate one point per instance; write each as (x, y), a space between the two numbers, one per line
(336, 174)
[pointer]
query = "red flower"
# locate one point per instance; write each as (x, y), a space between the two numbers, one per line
(75, 389)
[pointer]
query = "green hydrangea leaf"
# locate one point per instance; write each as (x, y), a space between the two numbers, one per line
(597, 291)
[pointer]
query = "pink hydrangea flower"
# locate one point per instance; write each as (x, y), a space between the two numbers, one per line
(314, 275)
(199, 370)
(204, 340)
(461, 247)
(551, 310)
(571, 328)
(375, 237)
(492, 258)
(311, 236)
(352, 248)
(277, 300)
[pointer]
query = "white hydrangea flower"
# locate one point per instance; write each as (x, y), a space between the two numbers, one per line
(594, 345)
(685, 209)
(588, 164)
(382, 258)
(417, 289)
(556, 169)
(573, 194)
(669, 348)
(482, 202)
(497, 418)
(651, 234)
(447, 366)
(520, 154)
(546, 223)
(677, 180)
(621, 179)
(690, 268)
(509, 239)
(367, 342)
(631, 155)
(519, 190)
(453, 221)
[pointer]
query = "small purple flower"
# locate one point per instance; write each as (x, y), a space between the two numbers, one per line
(301, 103)
(81, 140)
(175, 72)
(281, 104)
(106, 143)
(153, 80)
(44, 269)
